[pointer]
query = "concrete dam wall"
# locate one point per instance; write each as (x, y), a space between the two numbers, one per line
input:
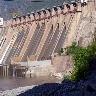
(39, 35)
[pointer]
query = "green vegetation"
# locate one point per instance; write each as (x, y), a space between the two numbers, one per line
(81, 57)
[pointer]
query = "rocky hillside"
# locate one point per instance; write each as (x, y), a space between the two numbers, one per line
(20, 7)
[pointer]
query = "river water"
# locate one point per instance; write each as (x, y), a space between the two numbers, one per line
(11, 83)
(20, 7)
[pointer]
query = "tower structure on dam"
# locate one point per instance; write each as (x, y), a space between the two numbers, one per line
(40, 34)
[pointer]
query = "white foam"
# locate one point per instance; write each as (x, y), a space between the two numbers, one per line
(16, 91)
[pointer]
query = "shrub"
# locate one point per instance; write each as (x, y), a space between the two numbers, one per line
(81, 57)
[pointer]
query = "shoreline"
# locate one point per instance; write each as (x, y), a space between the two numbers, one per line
(13, 83)
(16, 91)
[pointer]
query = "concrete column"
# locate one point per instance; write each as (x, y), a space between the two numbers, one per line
(14, 71)
(3, 71)
(7, 71)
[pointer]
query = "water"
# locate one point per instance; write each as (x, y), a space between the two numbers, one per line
(20, 7)
(11, 83)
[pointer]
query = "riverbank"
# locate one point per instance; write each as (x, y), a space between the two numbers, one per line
(12, 83)
(15, 92)
(84, 87)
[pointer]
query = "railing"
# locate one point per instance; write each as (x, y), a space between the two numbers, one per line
(21, 43)
(49, 40)
(46, 42)
(50, 46)
(41, 32)
(8, 49)
(15, 25)
(59, 36)
(69, 27)
(43, 39)
(32, 41)
(24, 53)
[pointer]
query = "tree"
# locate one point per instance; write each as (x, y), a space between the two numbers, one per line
(81, 57)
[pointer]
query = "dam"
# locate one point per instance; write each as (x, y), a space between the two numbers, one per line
(39, 35)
